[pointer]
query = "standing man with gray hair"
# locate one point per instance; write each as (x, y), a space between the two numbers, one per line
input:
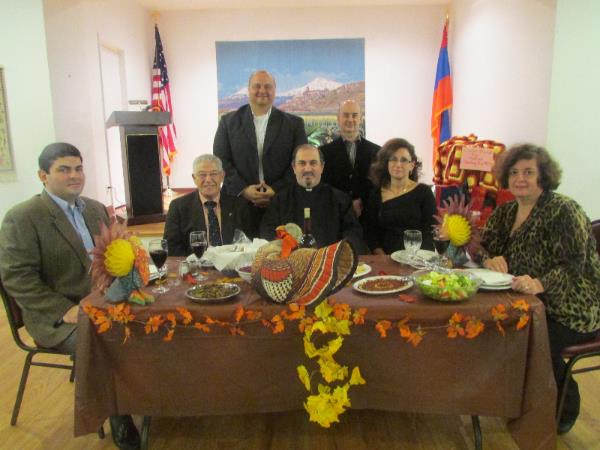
(206, 209)
(349, 157)
(256, 143)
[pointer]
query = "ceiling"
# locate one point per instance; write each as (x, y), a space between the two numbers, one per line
(175, 5)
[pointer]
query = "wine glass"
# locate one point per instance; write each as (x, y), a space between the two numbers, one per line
(158, 252)
(440, 242)
(199, 243)
(412, 241)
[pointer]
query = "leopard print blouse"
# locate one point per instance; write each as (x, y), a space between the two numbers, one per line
(556, 245)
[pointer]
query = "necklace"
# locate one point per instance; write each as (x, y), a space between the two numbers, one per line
(402, 190)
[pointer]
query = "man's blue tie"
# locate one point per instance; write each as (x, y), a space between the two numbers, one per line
(214, 232)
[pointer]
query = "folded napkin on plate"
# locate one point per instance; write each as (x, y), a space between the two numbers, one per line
(492, 278)
(229, 257)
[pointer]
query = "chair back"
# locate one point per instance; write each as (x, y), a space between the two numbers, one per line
(13, 314)
(596, 233)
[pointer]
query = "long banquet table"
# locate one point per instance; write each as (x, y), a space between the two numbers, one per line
(216, 373)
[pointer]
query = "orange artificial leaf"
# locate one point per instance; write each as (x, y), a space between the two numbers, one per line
(153, 323)
(455, 327)
(171, 318)
(252, 315)
(407, 298)
(202, 327)
(382, 326)
(474, 328)
(239, 313)
(210, 321)
(187, 316)
(293, 307)
(103, 323)
(416, 337)
(521, 305)
(404, 331)
(341, 311)
(169, 336)
(358, 316)
(523, 321)
(236, 331)
(499, 312)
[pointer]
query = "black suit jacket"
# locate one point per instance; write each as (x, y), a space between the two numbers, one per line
(235, 144)
(339, 172)
(186, 215)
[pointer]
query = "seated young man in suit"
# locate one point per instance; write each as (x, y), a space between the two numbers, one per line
(44, 258)
(207, 209)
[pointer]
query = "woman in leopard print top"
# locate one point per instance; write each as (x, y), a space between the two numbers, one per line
(545, 240)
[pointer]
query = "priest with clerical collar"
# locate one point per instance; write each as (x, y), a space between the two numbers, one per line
(331, 210)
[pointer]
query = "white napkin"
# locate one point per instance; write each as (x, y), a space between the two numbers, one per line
(229, 257)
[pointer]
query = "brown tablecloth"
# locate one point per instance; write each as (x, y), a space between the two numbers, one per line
(205, 374)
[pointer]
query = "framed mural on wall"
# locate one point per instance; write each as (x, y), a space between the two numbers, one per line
(312, 77)
(7, 168)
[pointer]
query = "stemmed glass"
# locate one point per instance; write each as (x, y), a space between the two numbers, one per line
(158, 250)
(199, 243)
(412, 241)
(440, 242)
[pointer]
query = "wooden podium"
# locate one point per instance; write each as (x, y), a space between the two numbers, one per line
(141, 163)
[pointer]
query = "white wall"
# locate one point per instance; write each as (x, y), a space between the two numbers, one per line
(75, 29)
(23, 56)
(501, 60)
(401, 48)
(575, 99)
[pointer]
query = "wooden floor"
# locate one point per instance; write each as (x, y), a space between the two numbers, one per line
(46, 422)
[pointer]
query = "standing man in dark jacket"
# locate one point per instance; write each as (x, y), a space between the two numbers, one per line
(348, 158)
(256, 143)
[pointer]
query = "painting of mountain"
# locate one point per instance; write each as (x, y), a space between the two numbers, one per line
(312, 77)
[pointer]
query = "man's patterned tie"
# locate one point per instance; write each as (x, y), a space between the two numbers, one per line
(214, 232)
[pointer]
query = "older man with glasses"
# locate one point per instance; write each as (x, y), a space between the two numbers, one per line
(206, 209)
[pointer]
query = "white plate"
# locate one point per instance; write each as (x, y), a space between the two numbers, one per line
(490, 287)
(357, 285)
(405, 257)
(492, 278)
(361, 269)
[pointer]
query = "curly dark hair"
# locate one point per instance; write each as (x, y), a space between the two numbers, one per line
(549, 170)
(379, 173)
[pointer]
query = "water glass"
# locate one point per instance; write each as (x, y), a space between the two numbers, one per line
(412, 241)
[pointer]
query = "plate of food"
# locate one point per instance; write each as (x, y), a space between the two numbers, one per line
(382, 284)
(361, 269)
(447, 286)
(212, 292)
(421, 259)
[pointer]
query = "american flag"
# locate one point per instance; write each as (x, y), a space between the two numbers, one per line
(161, 101)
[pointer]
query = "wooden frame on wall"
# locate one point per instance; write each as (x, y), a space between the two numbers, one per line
(7, 165)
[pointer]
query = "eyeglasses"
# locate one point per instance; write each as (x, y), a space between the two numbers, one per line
(205, 175)
(401, 160)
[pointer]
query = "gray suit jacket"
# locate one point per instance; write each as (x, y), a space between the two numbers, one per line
(44, 265)
(235, 144)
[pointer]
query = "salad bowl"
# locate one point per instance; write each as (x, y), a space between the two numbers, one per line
(447, 285)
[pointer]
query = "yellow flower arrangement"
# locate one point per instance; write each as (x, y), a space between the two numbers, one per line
(457, 228)
(119, 258)
(331, 401)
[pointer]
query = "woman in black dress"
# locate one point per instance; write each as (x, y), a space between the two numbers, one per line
(398, 202)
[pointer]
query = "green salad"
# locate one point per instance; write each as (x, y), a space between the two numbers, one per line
(446, 286)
